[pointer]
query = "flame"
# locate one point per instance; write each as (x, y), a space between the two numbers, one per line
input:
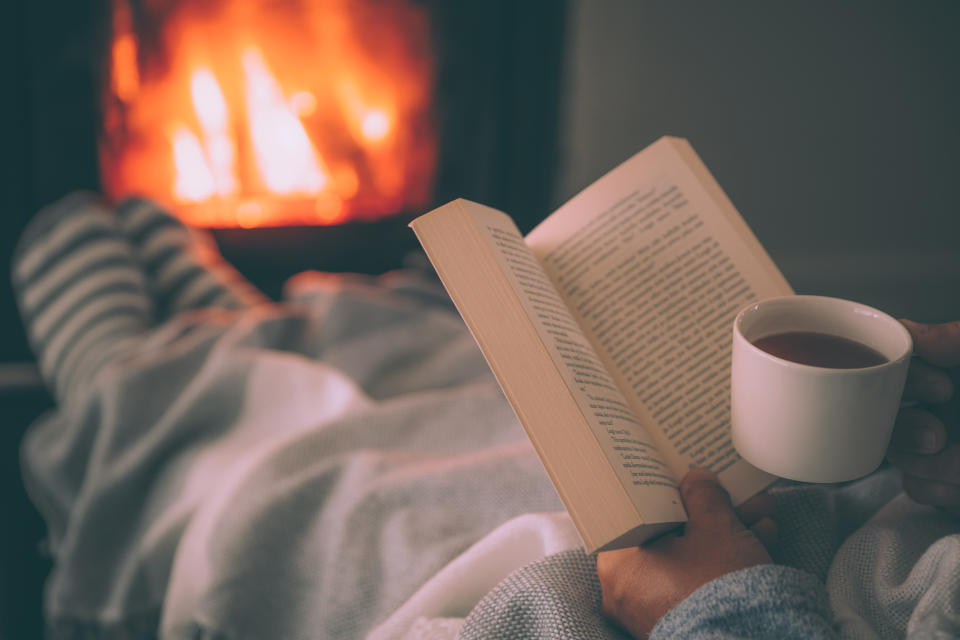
(245, 116)
(303, 103)
(219, 151)
(125, 80)
(195, 181)
(287, 161)
(366, 120)
(375, 125)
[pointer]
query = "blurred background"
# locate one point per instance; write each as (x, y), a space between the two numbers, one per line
(833, 127)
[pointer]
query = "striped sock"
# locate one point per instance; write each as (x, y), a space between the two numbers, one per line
(82, 296)
(182, 264)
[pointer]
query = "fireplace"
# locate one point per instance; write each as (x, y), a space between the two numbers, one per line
(265, 113)
(483, 125)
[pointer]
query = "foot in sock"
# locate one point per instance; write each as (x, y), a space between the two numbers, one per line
(183, 267)
(81, 293)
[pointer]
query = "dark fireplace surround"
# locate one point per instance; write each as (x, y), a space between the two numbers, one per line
(498, 83)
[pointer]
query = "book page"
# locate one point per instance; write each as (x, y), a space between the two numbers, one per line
(629, 448)
(655, 265)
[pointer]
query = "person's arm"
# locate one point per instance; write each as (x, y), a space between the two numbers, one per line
(926, 438)
(716, 579)
(765, 601)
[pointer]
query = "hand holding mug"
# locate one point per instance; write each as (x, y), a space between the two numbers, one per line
(923, 446)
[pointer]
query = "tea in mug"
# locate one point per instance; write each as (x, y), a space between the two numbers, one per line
(820, 350)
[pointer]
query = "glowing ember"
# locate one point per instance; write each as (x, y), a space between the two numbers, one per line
(251, 116)
(375, 125)
(125, 78)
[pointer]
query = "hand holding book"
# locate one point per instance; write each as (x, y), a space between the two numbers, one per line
(641, 584)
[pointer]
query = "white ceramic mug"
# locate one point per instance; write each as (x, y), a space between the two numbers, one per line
(809, 423)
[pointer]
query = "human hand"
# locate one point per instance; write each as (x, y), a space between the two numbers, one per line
(924, 445)
(641, 584)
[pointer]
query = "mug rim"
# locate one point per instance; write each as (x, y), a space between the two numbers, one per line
(753, 306)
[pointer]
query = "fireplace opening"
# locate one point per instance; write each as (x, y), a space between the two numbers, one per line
(264, 113)
(476, 117)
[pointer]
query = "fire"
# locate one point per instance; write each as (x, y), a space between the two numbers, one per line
(287, 161)
(220, 150)
(194, 180)
(247, 115)
(375, 125)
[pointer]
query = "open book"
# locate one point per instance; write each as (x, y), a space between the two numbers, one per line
(609, 329)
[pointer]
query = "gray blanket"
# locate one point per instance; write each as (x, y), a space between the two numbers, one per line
(224, 467)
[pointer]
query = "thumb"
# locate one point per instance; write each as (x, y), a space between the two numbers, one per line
(707, 503)
(938, 344)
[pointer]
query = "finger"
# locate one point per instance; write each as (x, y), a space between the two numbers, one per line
(926, 383)
(943, 467)
(918, 431)
(756, 508)
(938, 344)
(707, 503)
(937, 494)
(766, 531)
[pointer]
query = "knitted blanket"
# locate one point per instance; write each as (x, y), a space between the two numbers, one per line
(342, 464)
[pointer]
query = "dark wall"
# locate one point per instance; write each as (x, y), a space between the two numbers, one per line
(50, 67)
(499, 73)
(833, 126)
